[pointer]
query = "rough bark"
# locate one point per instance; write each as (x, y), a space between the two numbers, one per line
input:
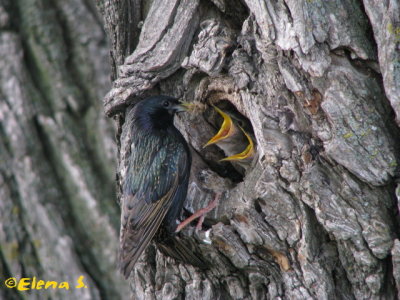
(58, 215)
(315, 216)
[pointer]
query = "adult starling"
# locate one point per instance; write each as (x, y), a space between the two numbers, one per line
(156, 180)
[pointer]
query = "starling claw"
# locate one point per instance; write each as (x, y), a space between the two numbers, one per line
(247, 153)
(199, 214)
(204, 236)
(227, 128)
(200, 223)
(207, 239)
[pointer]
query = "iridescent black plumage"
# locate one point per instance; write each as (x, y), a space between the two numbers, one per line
(156, 180)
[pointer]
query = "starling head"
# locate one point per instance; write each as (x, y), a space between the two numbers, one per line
(157, 112)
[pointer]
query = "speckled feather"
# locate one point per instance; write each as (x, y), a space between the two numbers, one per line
(156, 182)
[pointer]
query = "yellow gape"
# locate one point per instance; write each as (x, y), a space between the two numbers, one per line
(227, 128)
(230, 134)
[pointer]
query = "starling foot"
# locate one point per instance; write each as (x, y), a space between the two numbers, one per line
(199, 214)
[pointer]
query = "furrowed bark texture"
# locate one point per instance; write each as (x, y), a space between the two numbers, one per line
(58, 216)
(315, 215)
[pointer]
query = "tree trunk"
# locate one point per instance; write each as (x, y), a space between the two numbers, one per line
(58, 216)
(315, 215)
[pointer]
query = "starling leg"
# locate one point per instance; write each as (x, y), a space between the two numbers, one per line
(199, 214)
(200, 223)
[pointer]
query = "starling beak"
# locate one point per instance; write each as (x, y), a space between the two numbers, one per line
(227, 129)
(156, 180)
(231, 138)
(194, 107)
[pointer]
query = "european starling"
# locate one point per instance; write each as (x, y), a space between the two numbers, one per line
(156, 181)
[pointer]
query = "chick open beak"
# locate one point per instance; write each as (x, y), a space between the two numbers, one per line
(227, 128)
(247, 153)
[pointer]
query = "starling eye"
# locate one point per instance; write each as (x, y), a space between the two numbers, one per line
(166, 103)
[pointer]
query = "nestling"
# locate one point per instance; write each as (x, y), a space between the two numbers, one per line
(230, 138)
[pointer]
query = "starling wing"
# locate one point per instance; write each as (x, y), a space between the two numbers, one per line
(155, 188)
